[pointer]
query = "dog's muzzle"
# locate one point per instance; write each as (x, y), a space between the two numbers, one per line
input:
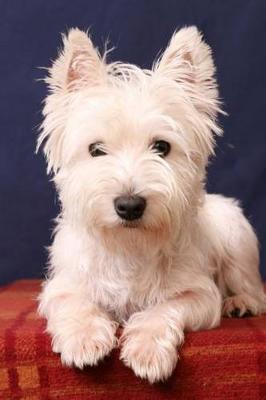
(130, 207)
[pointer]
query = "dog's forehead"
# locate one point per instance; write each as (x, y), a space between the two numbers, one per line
(116, 115)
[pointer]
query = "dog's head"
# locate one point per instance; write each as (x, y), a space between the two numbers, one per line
(128, 147)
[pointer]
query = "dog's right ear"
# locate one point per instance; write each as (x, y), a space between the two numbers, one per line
(78, 66)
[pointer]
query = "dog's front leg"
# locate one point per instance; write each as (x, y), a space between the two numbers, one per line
(81, 331)
(151, 337)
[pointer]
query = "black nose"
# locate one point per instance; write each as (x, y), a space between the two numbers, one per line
(130, 207)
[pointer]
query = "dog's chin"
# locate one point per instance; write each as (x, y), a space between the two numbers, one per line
(132, 236)
(139, 229)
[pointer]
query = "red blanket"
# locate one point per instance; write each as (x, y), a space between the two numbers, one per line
(225, 363)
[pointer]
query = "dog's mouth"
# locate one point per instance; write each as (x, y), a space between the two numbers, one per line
(130, 224)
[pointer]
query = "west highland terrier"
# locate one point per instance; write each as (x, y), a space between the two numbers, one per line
(138, 241)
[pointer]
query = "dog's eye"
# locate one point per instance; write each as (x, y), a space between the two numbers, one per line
(96, 150)
(161, 147)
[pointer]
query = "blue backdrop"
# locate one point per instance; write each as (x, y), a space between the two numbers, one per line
(29, 38)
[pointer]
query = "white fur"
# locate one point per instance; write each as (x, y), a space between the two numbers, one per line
(170, 271)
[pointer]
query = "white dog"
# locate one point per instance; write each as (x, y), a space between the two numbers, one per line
(138, 241)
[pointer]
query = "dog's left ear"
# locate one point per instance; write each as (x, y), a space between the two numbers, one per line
(188, 61)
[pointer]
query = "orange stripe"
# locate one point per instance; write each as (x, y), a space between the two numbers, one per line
(223, 349)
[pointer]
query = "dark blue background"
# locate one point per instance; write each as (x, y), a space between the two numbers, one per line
(29, 37)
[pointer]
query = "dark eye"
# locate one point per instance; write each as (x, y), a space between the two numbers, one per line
(161, 147)
(96, 150)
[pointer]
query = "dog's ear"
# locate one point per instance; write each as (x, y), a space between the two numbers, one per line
(188, 62)
(78, 65)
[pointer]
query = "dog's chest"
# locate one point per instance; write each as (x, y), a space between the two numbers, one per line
(116, 296)
(122, 285)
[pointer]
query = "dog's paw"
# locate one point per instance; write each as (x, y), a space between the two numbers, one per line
(240, 306)
(86, 342)
(151, 355)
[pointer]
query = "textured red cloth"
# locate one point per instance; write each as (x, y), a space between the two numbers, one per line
(225, 363)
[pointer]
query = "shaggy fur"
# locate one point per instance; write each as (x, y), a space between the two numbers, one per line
(189, 258)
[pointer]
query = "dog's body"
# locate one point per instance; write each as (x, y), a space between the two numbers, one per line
(139, 242)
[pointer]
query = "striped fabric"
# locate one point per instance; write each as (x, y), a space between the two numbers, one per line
(226, 363)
